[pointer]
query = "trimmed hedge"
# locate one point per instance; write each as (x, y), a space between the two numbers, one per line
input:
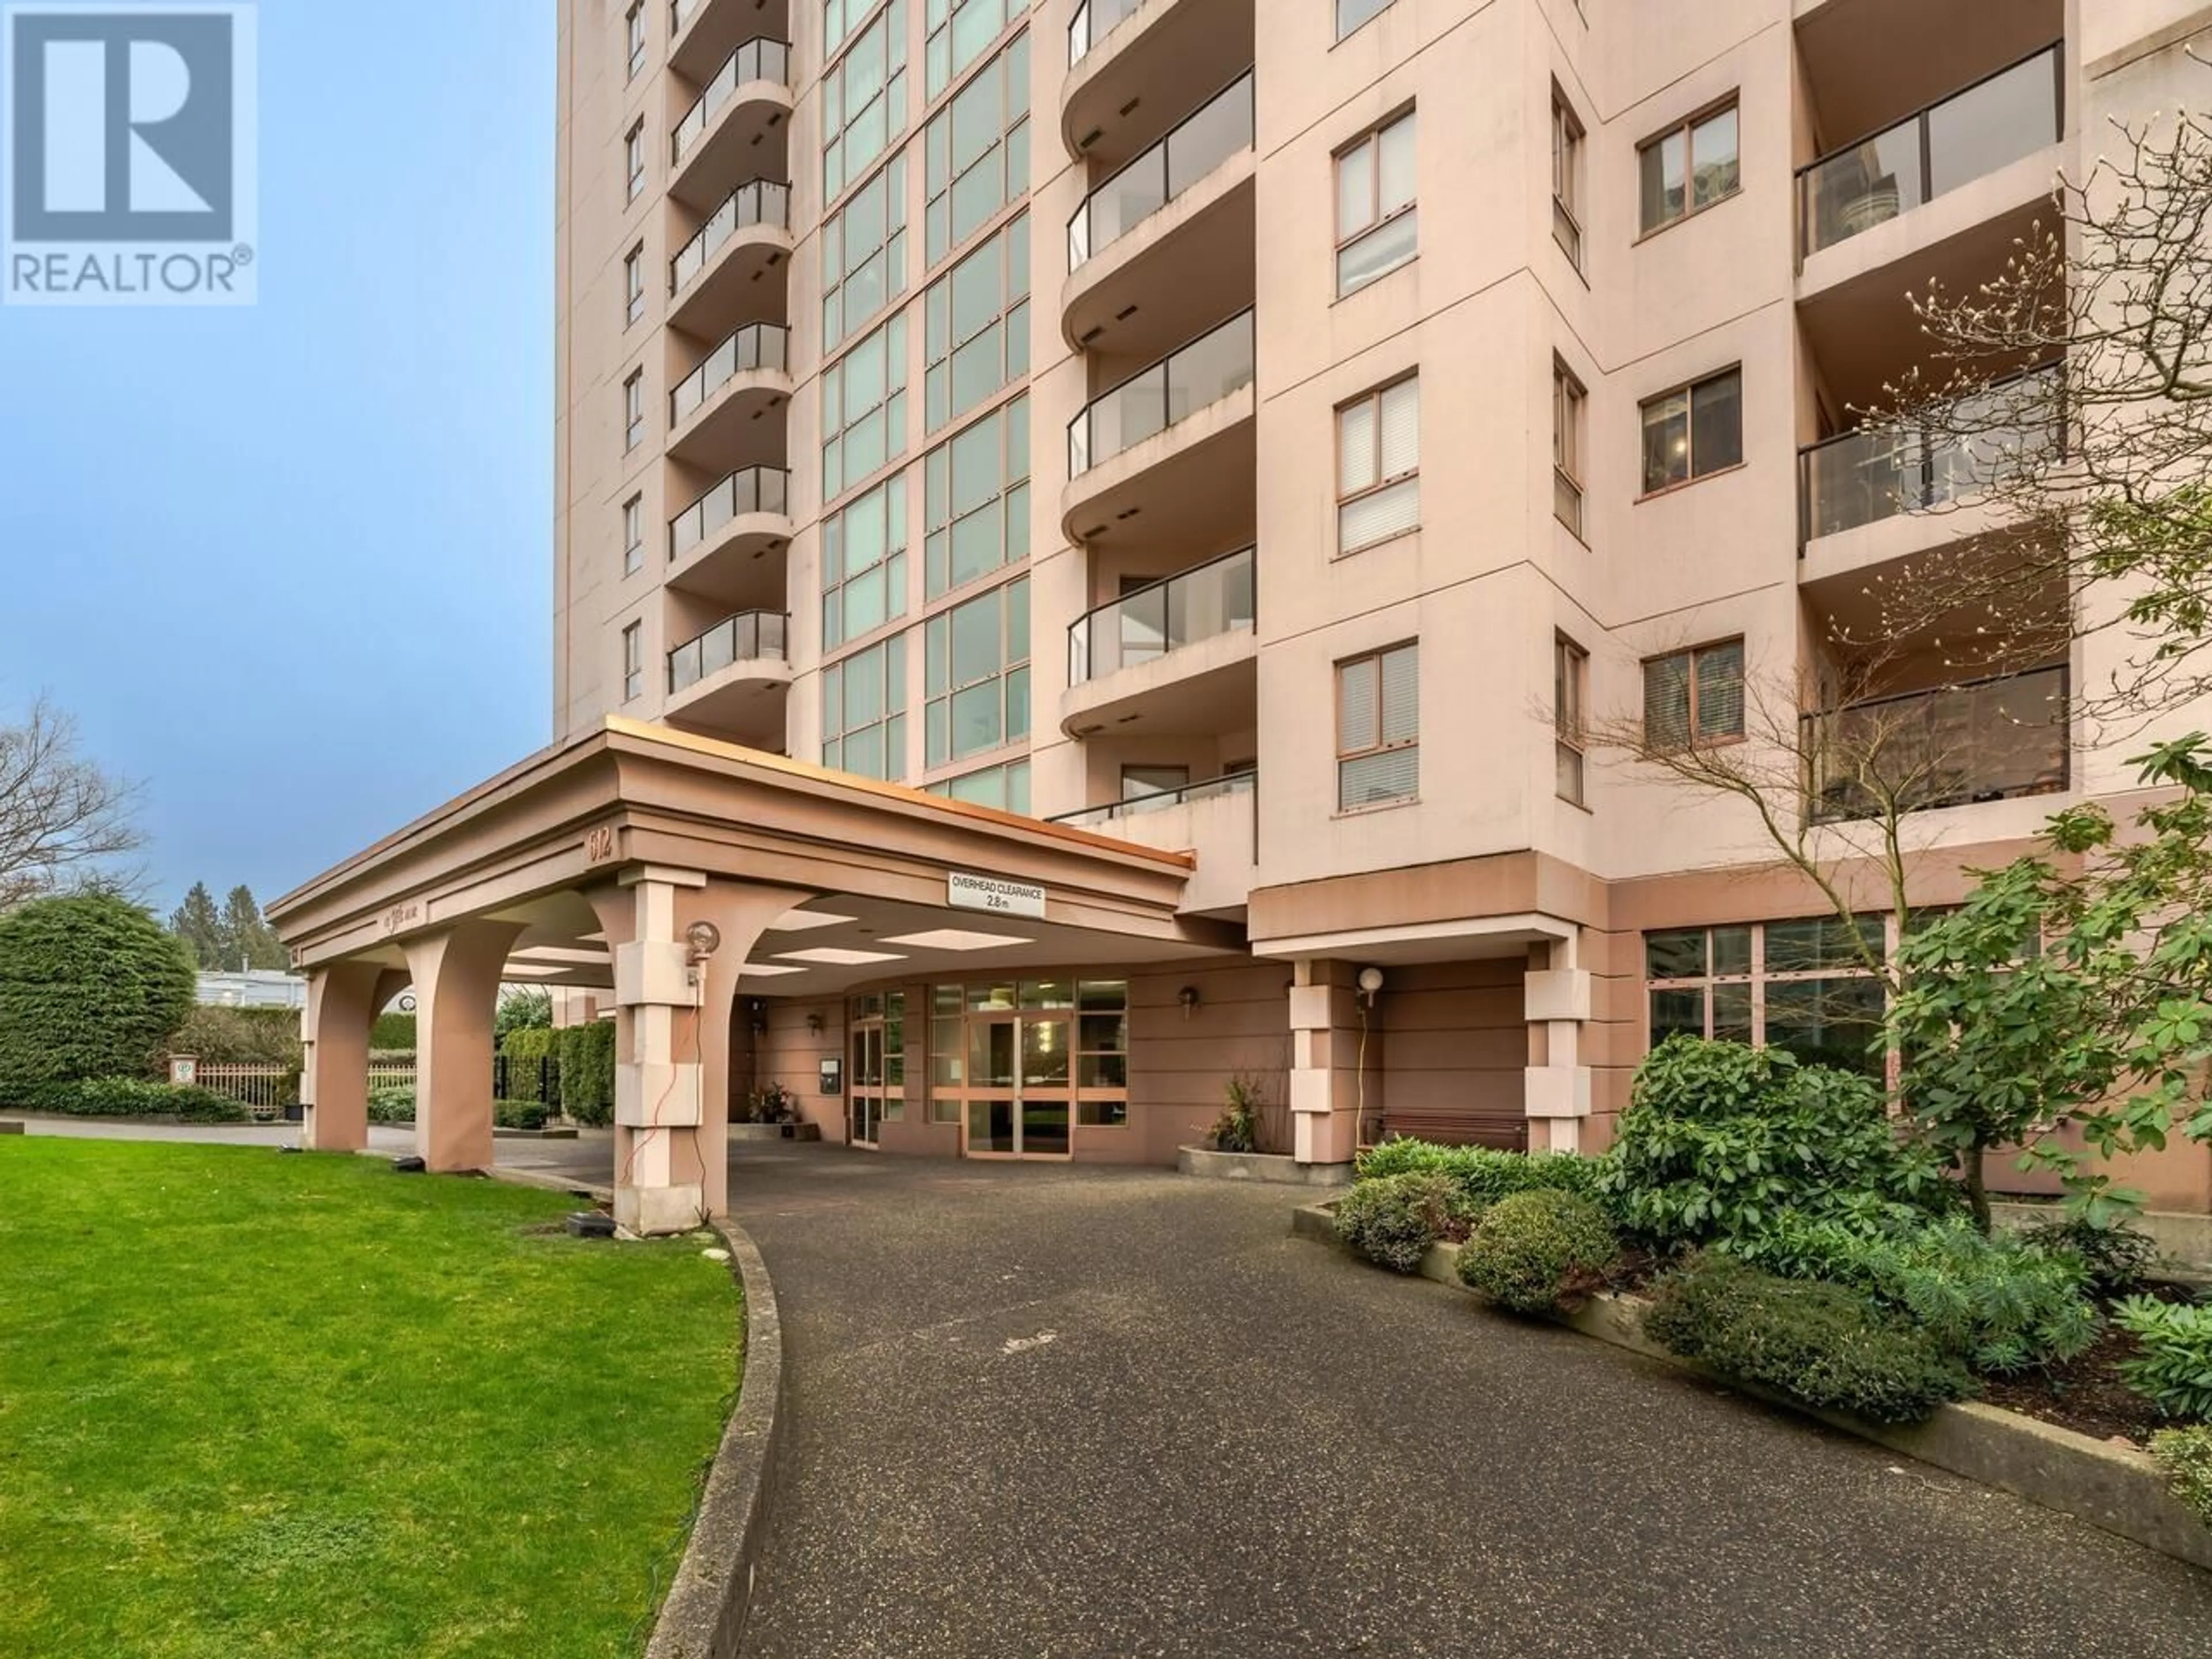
(1532, 1250)
(391, 1105)
(1393, 1219)
(588, 1072)
(90, 987)
(239, 1037)
(520, 1114)
(1484, 1175)
(128, 1097)
(1823, 1346)
(394, 1033)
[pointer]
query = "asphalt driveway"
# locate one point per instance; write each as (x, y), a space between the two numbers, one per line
(1049, 1414)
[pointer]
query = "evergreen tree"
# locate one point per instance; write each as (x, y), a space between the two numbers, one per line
(200, 925)
(247, 940)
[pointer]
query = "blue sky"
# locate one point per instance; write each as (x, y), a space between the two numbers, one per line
(290, 566)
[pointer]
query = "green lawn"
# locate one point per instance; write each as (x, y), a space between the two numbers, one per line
(299, 1406)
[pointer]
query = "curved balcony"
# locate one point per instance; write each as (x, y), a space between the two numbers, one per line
(703, 34)
(1176, 657)
(732, 680)
(712, 275)
(1175, 441)
(1166, 241)
(1135, 65)
(736, 386)
(726, 131)
(719, 544)
(1217, 819)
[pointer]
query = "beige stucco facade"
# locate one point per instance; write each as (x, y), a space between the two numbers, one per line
(991, 363)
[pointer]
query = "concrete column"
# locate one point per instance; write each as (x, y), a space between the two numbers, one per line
(343, 1000)
(1558, 1001)
(672, 1037)
(1336, 1063)
(457, 975)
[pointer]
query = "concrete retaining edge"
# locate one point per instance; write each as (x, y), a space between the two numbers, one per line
(1260, 1166)
(2117, 1489)
(777, 1132)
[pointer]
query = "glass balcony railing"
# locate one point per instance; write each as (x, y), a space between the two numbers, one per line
(1203, 373)
(1992, 739)
(755, 346)
(746, 637)
(758, 60)
(762, 202)
(1217, 598)
(1967, 136)
(756, 489)
(1093, 22)
(1160, 800)
(1862, 478)
(1199, 145)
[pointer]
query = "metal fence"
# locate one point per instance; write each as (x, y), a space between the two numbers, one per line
(391, 1073)
(265, 1090)
(518, 1078)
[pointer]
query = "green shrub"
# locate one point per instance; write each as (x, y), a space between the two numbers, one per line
(1394, 1219)
(128, 1097)
(522, 1008)
(2175, 1370)
(1532, 1249)
(519, 1114)
(1824, 1345)
(2185, 1455)
(524, 1050)
(392, 1105)
(1237, 1128)
(90, 987)
(770, 1103)
(2001, 1304)
(1484, 1175)
(588, 1072)
(393, 1034)
(2115, 1256)
(239, 1037)
(1720, 1140)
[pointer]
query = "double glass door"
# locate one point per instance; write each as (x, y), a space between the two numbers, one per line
(1021, 1096)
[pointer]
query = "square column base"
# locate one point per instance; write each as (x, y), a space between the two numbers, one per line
(652, 1212)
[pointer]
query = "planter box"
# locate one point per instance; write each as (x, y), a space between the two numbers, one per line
(2114, 1487)
(1260, 1166)
(775, 1131)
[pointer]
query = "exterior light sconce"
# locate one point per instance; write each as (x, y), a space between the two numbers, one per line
(1371, 985)
(759, 1018)
(815, 1024)
(1189, 997)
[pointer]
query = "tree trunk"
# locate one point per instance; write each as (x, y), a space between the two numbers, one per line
(1978, 1192)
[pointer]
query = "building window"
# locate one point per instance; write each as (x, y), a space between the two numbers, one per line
(864, 254)
(863, 101)
(840, 18)
(636, 24)
(977, 150)
(634, 155)
(634, 411)
(1379, 465)
(1374, 219)
(978, 674)
(1690, 168)
(1806, 986)
(1566, 179)
(633, 641)
(1006, 788)
(1694, 697)
(1378, 728)
(978, 325)
(1351, 14)
(1567, 408)
(864, 408)
(1101, 1053)
(1693, 430)
(975, 490)
(959, 30)
(633, 535)
(863, 563)
(1570, 695)
(633, 285)
(864, 712)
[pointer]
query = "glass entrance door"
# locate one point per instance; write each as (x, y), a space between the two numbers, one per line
(865, 1089)
(993, 1098)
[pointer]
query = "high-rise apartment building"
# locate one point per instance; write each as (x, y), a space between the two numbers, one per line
(1287, 432)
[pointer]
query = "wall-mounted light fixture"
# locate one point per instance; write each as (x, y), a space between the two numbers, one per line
(1189, 997)
(815, 1024)
(759, 1018)
(1371, 985)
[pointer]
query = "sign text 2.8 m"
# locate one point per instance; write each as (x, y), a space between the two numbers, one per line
(1004, 898)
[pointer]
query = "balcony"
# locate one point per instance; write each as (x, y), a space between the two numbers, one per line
(703, 34)
(1218, 820)
(1136, 66)
(1986, 740)
(717, 406)
(742, 240)
(1174, 657)
(732, 679)
(1174, 440)
(727, 129)
(1167, 241)
(715, 543)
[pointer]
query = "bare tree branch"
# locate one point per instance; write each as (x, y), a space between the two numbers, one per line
(62, 819)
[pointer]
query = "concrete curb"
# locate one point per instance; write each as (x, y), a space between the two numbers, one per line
(2117, 1489)
(1260, 1166)
(704, 1615)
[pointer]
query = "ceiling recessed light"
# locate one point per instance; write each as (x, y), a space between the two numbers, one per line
(831, 957)
(800, 921)
(765, 970)
(955, 939)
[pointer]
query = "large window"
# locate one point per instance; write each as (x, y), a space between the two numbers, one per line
(1806, 987)
(863, 101)
(864, 408)
(1691, 167)
(1570, 696)
(1566, 179)
(633, 660)
(1694, 697)
(863, 563)
(632, 520)
(1376, 231)
(864, 712)
(978, 674)
(1693, 430)
(978, 324)
(1379, 465)
(978, 150)
(1378, 728)
(1568, 399)
(959, 30)
(1006, 788)
(864, 254)
(976, 499)
(840, 18)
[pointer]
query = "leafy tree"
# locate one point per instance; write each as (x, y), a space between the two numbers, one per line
(62, 819)
(90, 987)
(199, 924)
(523, 1008)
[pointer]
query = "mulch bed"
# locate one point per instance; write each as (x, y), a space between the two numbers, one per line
(2087, 1394)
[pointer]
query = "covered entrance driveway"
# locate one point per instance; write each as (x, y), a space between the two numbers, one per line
(685, 882)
